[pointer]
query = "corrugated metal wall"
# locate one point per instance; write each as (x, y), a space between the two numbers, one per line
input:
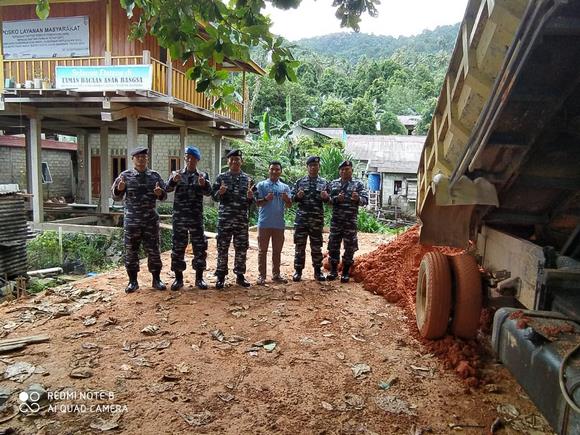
(14, 232)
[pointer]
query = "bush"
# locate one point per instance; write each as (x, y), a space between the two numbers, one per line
(210, 218)
(165, 208)
(43, 251)
(88, 249)
(367, 223)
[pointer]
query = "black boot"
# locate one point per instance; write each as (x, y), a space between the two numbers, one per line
(318, 275)
(199, 281)
(297, 275)
(345, 273)
(333, 272)
(157, 284)
(221, 281)
(133, 285)
(178, 283)
(241, 280)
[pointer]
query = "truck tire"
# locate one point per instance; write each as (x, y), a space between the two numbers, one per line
(468, 296)
(433, 304)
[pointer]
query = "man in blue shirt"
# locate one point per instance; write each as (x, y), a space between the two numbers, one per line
(273, 197)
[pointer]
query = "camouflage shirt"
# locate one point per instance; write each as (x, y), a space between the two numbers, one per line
(344, 214)
(140, 200)
(234, 203)
(310, 206)
(188, 200)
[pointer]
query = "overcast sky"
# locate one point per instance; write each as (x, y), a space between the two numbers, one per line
(396, 17)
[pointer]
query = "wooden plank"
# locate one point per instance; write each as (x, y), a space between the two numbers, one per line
(160, 114)
(28, 339)
(117, 114)
(12, 344)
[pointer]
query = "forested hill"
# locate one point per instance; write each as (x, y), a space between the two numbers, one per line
(358, 82)
(354, 46)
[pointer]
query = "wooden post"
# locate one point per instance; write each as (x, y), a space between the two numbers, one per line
(35, 151)
(132, 136)
(1, 52)
(146, 57)
(105, 170)
(85, 182)
(169, 77)
(109, 28)
(244, 98)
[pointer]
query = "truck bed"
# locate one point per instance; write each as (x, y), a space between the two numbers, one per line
(504, 146)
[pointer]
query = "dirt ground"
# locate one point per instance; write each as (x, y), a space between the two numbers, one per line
(290, 358)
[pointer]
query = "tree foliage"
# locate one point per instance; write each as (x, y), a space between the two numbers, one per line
(361, 117)
(353, 47)
(207, 32)
(332, 92)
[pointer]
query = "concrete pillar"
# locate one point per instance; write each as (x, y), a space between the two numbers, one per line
(217, 156)
(182, 138)
(105, 171)
(132, 136)
(28, 159)
(150, 138)
(35, 152)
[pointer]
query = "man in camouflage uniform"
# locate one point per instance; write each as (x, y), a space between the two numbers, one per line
(310, 194)
(233, 190)
(141, 187)
(346, 196)
(190, 186)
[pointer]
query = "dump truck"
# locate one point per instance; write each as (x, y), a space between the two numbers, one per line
(499, 175)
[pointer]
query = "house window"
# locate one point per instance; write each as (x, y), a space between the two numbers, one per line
(119, 165)
(398, 187)
(46, 177)
(174, 164)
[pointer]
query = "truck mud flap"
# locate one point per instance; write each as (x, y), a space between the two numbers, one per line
(445, 225)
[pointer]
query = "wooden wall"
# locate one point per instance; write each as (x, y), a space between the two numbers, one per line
(96, 11)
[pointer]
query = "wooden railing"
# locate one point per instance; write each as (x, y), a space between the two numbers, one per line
(166, 79)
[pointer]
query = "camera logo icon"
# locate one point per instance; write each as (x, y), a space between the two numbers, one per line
(29, 402)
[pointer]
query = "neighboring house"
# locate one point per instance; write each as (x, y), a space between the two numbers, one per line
(396, 159)
(327, 133)
(410, 122)
(58, 161)
(78, 73)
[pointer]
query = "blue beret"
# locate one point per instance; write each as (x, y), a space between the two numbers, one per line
(234, 153)
(344, 164)
(313, 159)
(139, 150)
(194, 151)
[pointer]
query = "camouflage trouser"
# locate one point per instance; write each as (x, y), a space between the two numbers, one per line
(301, 234)
(148, 232)
(182, 234)
(239, 231)
(349, 237)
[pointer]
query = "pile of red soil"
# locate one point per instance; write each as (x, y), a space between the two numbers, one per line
(391, 270)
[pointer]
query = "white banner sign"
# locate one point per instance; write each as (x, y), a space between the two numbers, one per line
(54, 37)
(104, 78)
